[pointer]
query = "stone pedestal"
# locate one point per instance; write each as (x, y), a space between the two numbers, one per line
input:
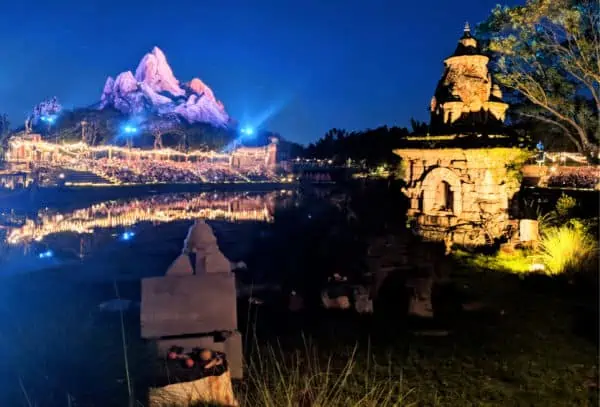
(192, 319)
(528, 231)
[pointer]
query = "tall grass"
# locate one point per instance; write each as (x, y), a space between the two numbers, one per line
(567, 249)
(305, 379)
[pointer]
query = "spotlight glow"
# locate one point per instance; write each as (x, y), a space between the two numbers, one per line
(130, 129)
(46, 254)
(127, 236)
(48, 119)
(247, 131)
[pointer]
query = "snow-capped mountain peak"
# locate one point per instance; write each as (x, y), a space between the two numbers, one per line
(155, 88)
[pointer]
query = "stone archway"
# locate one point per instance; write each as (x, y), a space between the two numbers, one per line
(440, 186)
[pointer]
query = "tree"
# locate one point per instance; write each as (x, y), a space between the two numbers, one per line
(418, 127)
(547, 53)
(372, 146)
(160, 125)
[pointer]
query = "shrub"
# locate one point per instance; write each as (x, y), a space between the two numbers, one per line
(568, 248)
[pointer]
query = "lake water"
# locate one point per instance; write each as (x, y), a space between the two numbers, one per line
(134, 237)
(58, 264)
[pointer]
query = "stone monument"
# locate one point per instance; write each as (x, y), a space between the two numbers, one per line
(191, 316)
(459, 187)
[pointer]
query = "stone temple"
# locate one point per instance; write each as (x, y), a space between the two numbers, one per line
(460, 179)
(466, 99)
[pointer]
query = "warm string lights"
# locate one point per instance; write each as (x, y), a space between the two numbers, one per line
(154, 209)
(123, 165)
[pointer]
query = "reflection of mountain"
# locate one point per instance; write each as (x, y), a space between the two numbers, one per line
(160, 209)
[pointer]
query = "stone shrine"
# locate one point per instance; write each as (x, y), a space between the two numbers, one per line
(461, 178)
(191, 316)
(466, 99)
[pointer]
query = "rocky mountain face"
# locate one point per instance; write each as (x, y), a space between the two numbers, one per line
(154, 89)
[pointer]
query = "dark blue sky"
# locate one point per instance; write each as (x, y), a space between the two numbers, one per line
(304, 66)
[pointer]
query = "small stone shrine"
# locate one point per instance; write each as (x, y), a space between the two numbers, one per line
(460, 177)
(191, 316)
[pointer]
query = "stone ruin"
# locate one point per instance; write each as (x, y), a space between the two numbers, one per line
(460, 195)
(466, 97)
(191, 316)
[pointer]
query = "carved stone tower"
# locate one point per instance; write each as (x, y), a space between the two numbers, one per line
(466, 99)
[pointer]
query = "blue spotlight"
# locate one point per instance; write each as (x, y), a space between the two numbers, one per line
(127, 236)
(248, 131)
(128, 129)
(48, 118)
(46, 254)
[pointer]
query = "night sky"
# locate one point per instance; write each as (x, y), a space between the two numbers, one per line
(295, 67)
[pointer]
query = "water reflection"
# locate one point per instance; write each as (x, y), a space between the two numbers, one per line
(226, 206)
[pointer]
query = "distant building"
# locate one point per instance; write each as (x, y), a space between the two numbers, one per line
(248, 158)
(466, 99)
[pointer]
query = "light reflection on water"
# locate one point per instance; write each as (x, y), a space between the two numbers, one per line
(74, 234)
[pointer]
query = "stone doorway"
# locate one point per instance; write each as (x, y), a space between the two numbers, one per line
(444, 200)
(442, 192)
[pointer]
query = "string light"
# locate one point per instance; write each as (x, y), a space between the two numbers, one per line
(153, 209)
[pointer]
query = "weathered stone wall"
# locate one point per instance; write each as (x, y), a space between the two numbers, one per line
(460, 194)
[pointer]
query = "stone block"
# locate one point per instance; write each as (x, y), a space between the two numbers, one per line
(184, 305)
(528, 230)
(211, 390)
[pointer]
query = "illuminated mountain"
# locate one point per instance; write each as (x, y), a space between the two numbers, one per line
(155, 89)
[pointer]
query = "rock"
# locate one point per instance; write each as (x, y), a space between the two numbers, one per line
(341, 302)
(362, 301)
(213, 390)
(155, 89)
(420, 302)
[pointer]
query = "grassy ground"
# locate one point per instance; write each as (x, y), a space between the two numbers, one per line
(533, 343)
(525, 347)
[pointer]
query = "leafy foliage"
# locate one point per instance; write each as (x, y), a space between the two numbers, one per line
(568, 248)
(546, 53)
